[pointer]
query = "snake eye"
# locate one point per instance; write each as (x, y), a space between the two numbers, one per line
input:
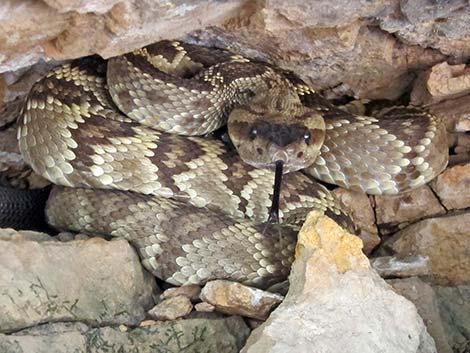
(253, 133)
(307, 137)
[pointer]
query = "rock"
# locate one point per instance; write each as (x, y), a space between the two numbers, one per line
(237, 299)
(171, 309)
(441, 25)
(71, 29)
(324, 56)
(204, 307)
(338, 303)
(453, 187)
(445, 240)
(441, 82)
(49, 338)
(95, 281)
(391, 266)
(407, 207)
(358, 205)
(190, 291)
(324, 41)
(211, 334)
(454, 307)
(422, 295)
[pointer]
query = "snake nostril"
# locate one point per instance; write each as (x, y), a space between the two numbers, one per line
(259, 150)
(300, 154)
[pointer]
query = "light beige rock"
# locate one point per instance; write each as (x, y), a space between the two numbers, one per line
(70, 29)
(391, 266)
(445, 240)
(171, 309)
(441, 82)
(209, 334)
(453, 187)
(96, 281)
(337, 303)
(190, 291)
(204, 307)
(323, 41)
(358, 205)
(237, 299)
(422, 295)
(408, 207)
(325, 56)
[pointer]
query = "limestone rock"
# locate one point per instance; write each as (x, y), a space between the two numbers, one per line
(454, 307)
(391, 266)
(422, 295)
(96, 281)
(445, 240)
(324, 42)
(70, 29)
(204, 307)
(337, 303)
(441, 82)
(328, 56)
(441, 25)
(453, 187)
(407, 207)
(190, 291)
(171, 308)
(237, 299)
(358, 205)
(211, 334)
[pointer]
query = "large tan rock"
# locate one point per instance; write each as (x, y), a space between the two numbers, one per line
(445, 240)
(64, 29)
(325, 42)
(453, 187)
(95, 281)
(207, 333)
(408, 207)
(359, 207)
(337, 303)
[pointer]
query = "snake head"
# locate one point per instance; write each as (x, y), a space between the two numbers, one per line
(263, 137)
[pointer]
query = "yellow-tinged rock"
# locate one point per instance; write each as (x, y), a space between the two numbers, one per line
(322, 236)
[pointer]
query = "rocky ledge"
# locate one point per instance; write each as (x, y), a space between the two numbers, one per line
(71, 293)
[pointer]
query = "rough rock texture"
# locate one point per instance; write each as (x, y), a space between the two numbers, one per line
(358, 204)
(236, 299)
(190, 291)
(391, 266)
(171, 308)
(95, 281)
(437, 24)
(204, 307)
(454, 306)
(422, 295)
(210, 334)
(324, 41)
(337, 303)
(445, 240)
(407, 207)
(64, 29)
(453, 187)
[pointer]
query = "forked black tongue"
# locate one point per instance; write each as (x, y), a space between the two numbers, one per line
(274, 211)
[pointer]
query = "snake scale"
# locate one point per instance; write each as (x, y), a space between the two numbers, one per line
(120, 141)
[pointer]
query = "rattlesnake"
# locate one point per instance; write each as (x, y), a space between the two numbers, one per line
(191, 206)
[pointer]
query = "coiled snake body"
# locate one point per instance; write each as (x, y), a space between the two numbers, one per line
(193, 208)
